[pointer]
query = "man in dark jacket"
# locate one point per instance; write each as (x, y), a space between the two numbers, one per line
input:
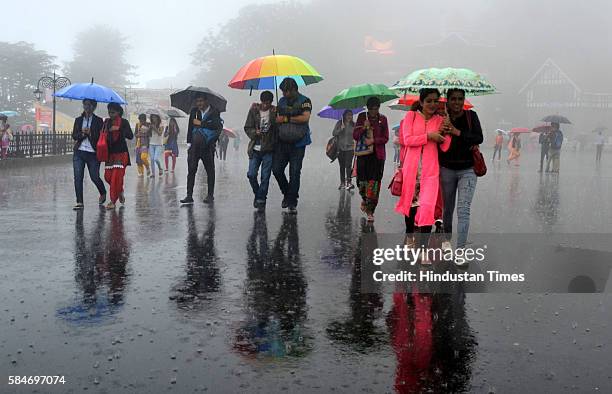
(260, 127)
(544, 141)
(86, 132)
(205, 126)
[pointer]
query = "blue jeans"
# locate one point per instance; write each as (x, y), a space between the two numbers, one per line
(457, 186)
(288, 154)
(155, 154)
(79, 160)
(265, 161)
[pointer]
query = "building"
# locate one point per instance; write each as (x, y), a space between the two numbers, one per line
(551, 91)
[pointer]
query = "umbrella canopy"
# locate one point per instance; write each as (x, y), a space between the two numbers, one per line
(520, 130)
(600, 129)
(504, 132)
(446, 78)
(542, 129)
(267, 72)
(91, 91)
(358, 95)
(396, 127)
(9, 114)
(556, 119)
(331, 113)
(229, 132)
(405, 103)
(184, 99)
(172, 113)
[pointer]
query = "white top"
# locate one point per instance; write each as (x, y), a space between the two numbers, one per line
(264, 126)
(86, 144)
(601, 140)
(156, 139)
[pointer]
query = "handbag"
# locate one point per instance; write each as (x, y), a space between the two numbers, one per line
(331, 149)
(102, 145)
(292, 132)
(396, 182)
(361, 149)
(480, 166)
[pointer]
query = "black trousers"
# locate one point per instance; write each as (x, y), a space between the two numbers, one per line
(345, 160)
(199, 150)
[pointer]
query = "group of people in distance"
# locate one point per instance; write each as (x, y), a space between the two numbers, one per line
(436, 157)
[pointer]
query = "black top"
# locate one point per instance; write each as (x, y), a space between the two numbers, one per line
(94, 131)
(213, 121)
(459, 154)
(120, 146)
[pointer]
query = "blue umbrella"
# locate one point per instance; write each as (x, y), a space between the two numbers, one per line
(396, 127)
(8, 114)
(330, 113)
(91, 91)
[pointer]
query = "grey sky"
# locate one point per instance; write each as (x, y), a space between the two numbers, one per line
(162, 33)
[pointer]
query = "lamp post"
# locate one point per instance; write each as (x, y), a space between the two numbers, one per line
(54, 83)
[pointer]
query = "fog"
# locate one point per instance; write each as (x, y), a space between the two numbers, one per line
(352, 42)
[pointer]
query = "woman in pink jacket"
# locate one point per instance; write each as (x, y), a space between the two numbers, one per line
(421, 135)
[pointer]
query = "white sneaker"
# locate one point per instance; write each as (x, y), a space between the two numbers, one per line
(446, 245)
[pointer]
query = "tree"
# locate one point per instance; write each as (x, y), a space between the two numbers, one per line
(21, 65)
(99, 53)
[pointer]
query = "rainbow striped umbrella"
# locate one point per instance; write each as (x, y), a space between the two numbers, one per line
(268, 71)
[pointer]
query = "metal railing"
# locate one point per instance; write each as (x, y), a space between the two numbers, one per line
(40, 144)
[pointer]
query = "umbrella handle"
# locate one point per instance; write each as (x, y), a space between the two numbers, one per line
(275, 82)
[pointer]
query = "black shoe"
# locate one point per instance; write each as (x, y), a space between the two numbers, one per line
(187, 201)
(292, 210)
(208, 200)
(284, 204)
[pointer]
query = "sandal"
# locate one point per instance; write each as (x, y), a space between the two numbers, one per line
(110, 205)
(78, 206)
(121, 198)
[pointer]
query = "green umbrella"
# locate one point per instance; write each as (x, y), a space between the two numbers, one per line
(471, 82)
(358, 95)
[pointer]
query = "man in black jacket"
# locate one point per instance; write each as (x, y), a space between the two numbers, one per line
(205, 126)
(86, 132)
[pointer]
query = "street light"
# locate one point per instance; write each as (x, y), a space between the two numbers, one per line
(54, 83)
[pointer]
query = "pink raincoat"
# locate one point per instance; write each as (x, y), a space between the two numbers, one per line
(413, 138)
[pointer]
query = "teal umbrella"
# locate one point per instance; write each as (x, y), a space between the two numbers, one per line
(358, 95)
(8, 114)
(471, 82)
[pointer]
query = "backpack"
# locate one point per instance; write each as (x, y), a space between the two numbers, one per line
(558, 141)
(292, 132)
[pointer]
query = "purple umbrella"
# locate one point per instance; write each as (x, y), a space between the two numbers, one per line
(330, 113)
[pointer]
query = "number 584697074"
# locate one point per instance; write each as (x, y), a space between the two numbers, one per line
(37, 379)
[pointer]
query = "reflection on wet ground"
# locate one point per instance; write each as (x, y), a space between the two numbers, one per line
(156, 297)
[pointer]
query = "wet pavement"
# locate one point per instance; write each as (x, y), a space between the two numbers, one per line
(160, 298)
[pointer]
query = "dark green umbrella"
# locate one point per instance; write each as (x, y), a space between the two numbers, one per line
(358, 95)
(184, 99)
(556, 119)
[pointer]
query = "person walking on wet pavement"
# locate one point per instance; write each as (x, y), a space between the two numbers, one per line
(205, 126)
(514, 146)
(457, 175)
(119, 131)
(554, 155)
(499, 142)
(421, 135)
(85, 132)
(142, 145)
(293, 115)
(171, 143)
(371, 130)
(600, 140)
(223, 143)
(544, 141)
(343, 131)
(156, 144)
(6, 136)
(260, 127)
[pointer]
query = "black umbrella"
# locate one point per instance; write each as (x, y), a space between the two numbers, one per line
(184, 99)
(556, 119)
(172, 113)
